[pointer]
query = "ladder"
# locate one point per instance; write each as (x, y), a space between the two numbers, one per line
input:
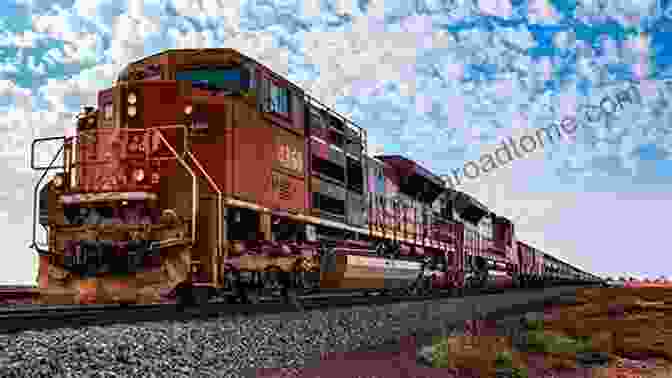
(183, 160)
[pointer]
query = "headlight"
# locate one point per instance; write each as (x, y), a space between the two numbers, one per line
(132, 99)
(188, 109)
(58, 181)
(108, 110)
(132, 111)
(139, 174)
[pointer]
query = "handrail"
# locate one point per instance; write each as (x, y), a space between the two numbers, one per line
(34, 243)
(173, 127)
(194, 205)
(32, 154)
(220, 236)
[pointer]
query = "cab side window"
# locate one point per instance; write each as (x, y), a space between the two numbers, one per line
(279, 99)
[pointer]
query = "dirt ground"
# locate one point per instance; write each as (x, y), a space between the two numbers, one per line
(630, 329)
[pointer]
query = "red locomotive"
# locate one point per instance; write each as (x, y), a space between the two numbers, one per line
(202, 171)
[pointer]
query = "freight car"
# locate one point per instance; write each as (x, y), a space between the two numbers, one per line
(203, 172)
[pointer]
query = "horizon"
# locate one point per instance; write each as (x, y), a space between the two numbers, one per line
(439, 84)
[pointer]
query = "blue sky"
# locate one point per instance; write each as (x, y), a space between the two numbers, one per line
(439, 81)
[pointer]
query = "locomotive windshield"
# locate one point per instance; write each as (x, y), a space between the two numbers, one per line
(229, 79)
(123, 75)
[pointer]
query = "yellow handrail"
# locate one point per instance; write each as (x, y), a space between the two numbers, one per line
(194, 205)
(220, 237)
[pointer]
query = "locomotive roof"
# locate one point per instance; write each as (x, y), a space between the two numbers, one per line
(551, 257)
(418, 169)
(237, 55)
(123, 75)
(465, 197)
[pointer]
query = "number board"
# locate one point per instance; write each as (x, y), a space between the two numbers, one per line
(290, 158)
(289, 150)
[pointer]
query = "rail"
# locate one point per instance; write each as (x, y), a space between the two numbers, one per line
(35, 245)
(38, 317)
(220, 199)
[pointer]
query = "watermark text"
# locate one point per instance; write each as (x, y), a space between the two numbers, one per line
(606, 109)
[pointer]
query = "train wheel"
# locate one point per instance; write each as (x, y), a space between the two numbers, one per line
(413, 290)
(232, 284)
(200, 295)
(420, 287)
(307, 281)
(183, 297)
(271, 281)
(288, 286)
(251, 290)
(250, 295)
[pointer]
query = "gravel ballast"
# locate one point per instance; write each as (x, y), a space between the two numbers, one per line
(234, 346)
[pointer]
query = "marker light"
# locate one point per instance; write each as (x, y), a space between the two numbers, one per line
(133, 146)
(139, 174)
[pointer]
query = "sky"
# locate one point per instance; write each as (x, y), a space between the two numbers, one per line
(441, 82)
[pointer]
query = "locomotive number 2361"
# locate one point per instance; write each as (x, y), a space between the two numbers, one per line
(290, 157)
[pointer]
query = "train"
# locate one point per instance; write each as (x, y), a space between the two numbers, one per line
(202, 173)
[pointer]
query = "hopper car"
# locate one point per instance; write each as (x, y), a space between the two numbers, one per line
(203, 173)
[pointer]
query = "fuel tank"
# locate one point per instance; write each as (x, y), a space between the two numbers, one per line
(348, 271)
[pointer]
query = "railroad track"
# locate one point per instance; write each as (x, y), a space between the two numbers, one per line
(49, 317)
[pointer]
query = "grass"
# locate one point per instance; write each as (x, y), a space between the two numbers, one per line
(496, 353)
(540, 341)
(504, 359)
(487, 353)
(534, 324)
(519, 373)
(440, 353)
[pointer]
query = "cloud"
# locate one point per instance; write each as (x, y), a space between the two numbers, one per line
(69, 95)
(130, 35)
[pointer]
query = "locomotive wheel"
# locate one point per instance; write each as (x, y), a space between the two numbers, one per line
(306, 282)
(200, 295)
(251, 291)
(271, 281)
(233, 283)
(188, 296)
(289, 290)
(251, 296)
(183, 298)
(418, 288)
